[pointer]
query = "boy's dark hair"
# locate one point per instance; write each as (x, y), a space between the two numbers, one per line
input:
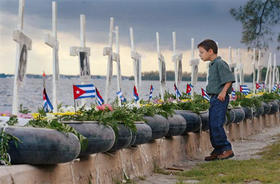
(208, 44)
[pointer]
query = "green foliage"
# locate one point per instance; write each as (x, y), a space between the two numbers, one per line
(12, 121)
(196, 105)
(23, 110)
(258, 18)
(269, 97)
(5, 138)
(41, 122)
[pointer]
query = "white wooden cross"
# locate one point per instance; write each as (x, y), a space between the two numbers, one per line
(240, 67)
(83, 52)
(51, 40)
(24, 43)
(107, 51)
(274, 70)
(116, 58)
(259, 67)
(254, 68)
(177, 59)
(233, 68)
(136, 57)
(269, 73)
(162, 69)
(194, 62)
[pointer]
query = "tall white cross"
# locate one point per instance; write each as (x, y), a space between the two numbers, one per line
(162, 69)
(51, 40)
(259, 67)
(116, 58)
(233, 68)
(254, 72)
(83, 52)
(177, 59)
(274, 69)
(24, 43)
(136, 57)
(269, 73)
(194, 62)
(108, 52)
(240, 67)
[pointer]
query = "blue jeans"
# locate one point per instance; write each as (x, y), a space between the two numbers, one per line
(217, 117)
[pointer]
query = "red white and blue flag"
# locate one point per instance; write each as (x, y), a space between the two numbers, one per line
(151, 92)
(189, 89)
(258, 86)
(275, 87)
(233, 94)
(177, 92)
(205, 95)
(84, 91)
(47, 102)
(99, 98)
(135, 94)
(121, 97)
(244, 89)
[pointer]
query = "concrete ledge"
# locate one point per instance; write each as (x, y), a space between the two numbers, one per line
(139, 161)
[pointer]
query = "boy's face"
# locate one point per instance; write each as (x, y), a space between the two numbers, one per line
(204, 54)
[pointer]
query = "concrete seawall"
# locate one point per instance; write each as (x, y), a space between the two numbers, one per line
(138, 161)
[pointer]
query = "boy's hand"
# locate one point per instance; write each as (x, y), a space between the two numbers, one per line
(222, 96)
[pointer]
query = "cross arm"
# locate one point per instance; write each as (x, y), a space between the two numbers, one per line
(51, 41)
(74, 51)
(20, 37)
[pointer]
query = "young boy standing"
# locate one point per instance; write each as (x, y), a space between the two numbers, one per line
(220, 81)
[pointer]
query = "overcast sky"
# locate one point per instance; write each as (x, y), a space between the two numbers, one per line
(199, 19)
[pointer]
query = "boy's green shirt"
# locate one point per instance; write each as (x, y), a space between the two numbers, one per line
(219, 75)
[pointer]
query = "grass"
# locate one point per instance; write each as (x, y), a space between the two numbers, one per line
(265, 170)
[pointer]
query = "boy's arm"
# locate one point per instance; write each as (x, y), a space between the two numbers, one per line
(223, 93)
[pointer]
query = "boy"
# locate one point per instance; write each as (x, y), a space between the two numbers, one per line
(220, 80)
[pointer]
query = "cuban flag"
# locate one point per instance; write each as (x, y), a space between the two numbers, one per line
(275, 87)
(258, 86)
(205, 95)
(151, 92)
(233, 94)
(177, 92)
(189, 89)
(84, 91)
(263, 85)
(47, 102)
(244, 89)
(121, 97)
(99, 98)
(135, 94)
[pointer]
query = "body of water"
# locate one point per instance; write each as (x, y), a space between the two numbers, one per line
(30, 92)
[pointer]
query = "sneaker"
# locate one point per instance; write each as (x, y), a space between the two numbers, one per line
(226, 155)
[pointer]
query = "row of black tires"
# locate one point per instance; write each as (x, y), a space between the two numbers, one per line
(46, 146)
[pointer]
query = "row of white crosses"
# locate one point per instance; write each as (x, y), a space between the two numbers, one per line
(272, 73)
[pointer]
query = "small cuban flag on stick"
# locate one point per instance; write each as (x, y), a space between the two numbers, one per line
(275, 87)
(258, 86)
(99, 98)
(233, 94)
(177, 92)
(244, 89)
(120, 96)
(151, 92)
(205, 95)
(47, 102)
(135, 94)
(83, 91)
(189, 89)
